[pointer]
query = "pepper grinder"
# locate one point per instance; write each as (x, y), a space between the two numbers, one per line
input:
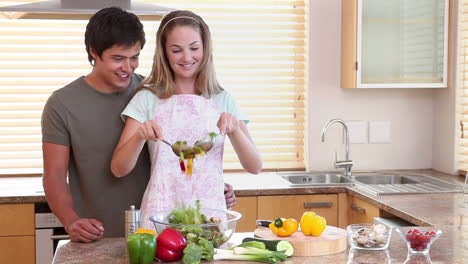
(132, 221)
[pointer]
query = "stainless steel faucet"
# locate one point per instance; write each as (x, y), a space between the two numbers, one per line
(346, 163)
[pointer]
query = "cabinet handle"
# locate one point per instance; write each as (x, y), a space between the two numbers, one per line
(358, 209)
(318, 205)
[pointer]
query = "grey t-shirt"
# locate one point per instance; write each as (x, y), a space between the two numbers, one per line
(88, 121)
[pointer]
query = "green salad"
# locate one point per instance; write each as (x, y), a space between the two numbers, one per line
(192, 216)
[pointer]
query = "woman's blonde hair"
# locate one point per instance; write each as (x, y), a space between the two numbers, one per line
(161, 80)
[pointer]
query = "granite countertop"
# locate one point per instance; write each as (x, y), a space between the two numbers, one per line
(447, 250)
(446, 211)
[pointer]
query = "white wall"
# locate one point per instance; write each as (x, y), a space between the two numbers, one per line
(415, 114)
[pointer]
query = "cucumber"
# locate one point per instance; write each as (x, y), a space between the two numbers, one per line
(274, 245)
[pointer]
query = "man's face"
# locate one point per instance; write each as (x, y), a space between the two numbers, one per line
(113, 70)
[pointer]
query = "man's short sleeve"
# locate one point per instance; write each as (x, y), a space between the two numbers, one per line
(141, 107)
(53, 122)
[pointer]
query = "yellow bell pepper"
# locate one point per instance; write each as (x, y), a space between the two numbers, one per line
(312, 224)
(284, 227)
(145, 231)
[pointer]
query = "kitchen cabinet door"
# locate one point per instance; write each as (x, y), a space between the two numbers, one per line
(17, 249)
(395, 44)
(16, 219)
(362, 211)
(293, 206)
(247, 206)
(17, 235)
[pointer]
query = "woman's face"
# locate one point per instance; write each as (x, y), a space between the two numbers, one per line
(184, 50)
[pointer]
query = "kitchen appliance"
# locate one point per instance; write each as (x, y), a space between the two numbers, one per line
(49, 231)
(60, 9)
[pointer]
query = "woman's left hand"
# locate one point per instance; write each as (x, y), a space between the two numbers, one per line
(227, 123)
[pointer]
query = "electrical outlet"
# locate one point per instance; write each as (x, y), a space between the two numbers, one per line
(380, 132)
(357, 131)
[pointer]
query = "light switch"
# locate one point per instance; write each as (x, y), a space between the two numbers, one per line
(357, 131)
(379, 132)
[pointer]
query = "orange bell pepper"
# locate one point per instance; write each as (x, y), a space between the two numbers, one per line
(284, 227)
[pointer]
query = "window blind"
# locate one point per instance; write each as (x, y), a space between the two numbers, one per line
(259, 54)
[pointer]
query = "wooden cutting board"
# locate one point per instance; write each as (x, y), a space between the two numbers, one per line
(332, 240)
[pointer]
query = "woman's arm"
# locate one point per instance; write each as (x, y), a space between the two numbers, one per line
(241, 141)
(132, 140)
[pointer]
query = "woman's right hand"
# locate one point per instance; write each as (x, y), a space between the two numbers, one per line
(149, 130)
(133, 138)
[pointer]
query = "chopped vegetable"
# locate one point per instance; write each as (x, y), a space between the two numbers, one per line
(312, 224)
(189, 153)
(188, 215)
(273, 245)
(171, 244)
(189, 167)
(141, 248)
(284, 227)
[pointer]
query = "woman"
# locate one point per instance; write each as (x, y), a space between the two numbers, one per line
(182, 100)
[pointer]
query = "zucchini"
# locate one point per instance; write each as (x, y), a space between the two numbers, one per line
(274, 245)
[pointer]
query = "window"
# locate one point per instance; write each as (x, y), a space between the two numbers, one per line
(260, 56)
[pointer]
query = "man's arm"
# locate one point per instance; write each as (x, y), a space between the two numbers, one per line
(56, 159)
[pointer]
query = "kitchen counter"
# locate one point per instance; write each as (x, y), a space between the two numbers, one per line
(445, 211)
(21, 190)
(113, 251)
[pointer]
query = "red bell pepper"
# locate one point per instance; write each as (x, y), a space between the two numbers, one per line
(170, 245)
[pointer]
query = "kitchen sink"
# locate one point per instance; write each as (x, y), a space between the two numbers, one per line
(378, 183)
(384, 179)
(315, 178)
(382, 183)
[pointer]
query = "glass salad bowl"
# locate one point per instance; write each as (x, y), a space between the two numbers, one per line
(419, 239)
(218, 227)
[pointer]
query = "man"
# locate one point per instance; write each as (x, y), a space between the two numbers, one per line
(81, 126)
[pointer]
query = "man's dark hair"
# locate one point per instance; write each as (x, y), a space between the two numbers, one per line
(112, 26)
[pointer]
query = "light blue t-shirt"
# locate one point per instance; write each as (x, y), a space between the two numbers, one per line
(143, 106)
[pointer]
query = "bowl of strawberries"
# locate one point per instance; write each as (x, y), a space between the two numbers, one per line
(419, 239)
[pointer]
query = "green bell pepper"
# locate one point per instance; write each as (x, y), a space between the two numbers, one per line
(141, 248)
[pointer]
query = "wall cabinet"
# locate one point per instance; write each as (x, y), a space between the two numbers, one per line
(395, 44)
(17, 235)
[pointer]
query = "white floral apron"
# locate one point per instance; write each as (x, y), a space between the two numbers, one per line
(184, 118)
